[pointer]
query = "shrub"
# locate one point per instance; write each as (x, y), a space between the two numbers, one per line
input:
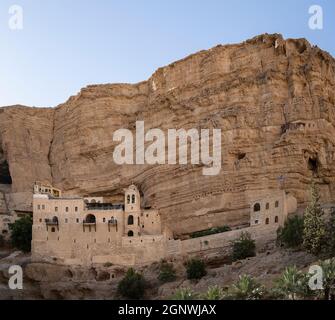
(330, 236)
(244, 247)
(166, 273)
(21, 233)
(195, 269)
(292, 285)
(291, 235)
(184, 294)
(328, 268)
(209, 232)
(214, 293)
(132, 286)
(246, 288)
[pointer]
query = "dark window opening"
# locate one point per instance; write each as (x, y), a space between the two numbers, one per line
(90, 219)
(53, 230)
(276, 219)
(130, 220)
(5, 177)
(267, 221)
(267, 206)
(277, 204)
(133, 199)
(313, 165)
(130, 234)
(257, 207)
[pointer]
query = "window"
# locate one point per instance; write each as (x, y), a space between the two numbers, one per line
(39, 207)
(130, 233)
(257, 207)
(90, 219)
(53, 230)
(40, 220)
(56, 209)
(76, 209)
(256, 221)
(276, 219)
(66, 220)
(104, 220)
(267, 206)
(133, 198)
(43, 207)
(67, 209)
(267, 221)
(77, 220)
(128, 199)
(130, 220)
(277, 204)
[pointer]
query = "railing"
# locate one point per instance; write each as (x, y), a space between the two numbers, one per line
(104, 207)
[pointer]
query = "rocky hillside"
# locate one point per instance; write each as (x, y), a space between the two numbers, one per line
(274, 100)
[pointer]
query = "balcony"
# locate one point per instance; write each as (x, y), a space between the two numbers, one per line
(52, 223)
(104, 206)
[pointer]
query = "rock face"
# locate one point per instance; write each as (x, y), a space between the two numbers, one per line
(274, 100)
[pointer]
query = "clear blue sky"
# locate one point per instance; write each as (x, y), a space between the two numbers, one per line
(68, 44)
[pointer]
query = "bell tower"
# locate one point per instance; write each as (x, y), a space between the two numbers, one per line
(132, 211)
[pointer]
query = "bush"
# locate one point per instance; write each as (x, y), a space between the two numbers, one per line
(244, 247)
(292, 285)
(328, 268)
(195, 269)
(167, 273)
(184, 294)
(132, 286)
(213, 293)
(209, 232)
(21, 233)
(246, 288)
(291, 235)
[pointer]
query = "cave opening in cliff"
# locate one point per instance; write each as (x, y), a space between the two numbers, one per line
(5, 177)
(313, 165)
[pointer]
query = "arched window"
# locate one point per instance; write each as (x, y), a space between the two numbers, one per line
(267, 221)
(267, 206)
(93, 201)
(133, 198)
(128, 199)
(257, 207)
(55, 220)
(130, 220)
(90, 219)
(276, 219)
(277, 204)
(130, 233)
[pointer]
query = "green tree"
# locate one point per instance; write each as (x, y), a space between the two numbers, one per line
(132, 286)
(246, 288)
(166, 273)
(292, 284)
(243, 247)
(184, 294)
(291, 235)
(314, 224)
(195, 269)
(21, 233)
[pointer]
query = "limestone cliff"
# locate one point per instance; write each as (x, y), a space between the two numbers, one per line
(274, 100)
